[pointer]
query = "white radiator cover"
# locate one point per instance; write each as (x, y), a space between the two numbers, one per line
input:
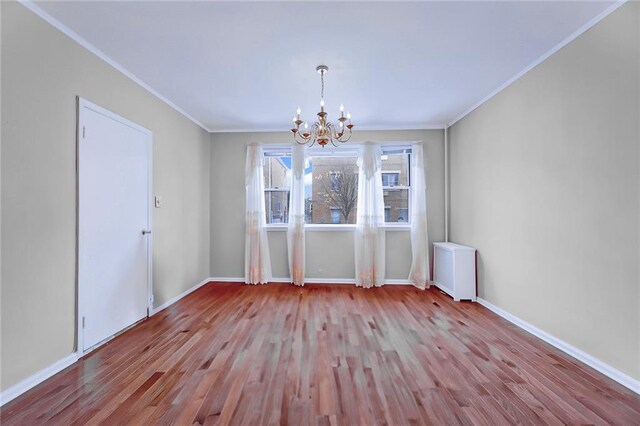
(454, 270)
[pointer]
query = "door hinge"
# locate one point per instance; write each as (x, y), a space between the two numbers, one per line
(84, 132)
(83, 321)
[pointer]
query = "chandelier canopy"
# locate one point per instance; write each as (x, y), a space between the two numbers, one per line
(322, 131)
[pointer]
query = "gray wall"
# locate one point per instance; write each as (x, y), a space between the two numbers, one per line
(329, 254)
(42, 73)
(545, 183)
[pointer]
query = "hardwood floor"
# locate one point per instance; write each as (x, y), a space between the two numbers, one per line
(238, 354)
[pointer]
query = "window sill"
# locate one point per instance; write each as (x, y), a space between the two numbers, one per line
(330, 228)
(336, 228)
(395, 227)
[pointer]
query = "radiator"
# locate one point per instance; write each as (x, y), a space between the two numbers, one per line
(454, 270)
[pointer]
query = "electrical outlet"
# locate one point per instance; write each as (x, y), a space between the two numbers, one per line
(158, 202)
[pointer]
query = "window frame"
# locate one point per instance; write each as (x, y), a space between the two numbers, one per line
(275, 151)
(394, 149)
(271, 190)
(353, 150)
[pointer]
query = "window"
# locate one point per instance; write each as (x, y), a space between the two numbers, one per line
(277, 168)
(390, 178)
(396, 169)
(335, 181)
(331, 185)
(333, 188)
(335, 216)
(403, 215)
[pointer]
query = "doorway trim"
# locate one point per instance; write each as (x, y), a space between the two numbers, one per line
(83, 105)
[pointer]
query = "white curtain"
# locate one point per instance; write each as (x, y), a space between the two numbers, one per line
(295, 230)
(419, 273)
(369, 235)
(257, 262)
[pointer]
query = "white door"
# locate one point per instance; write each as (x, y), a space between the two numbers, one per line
(113, 220)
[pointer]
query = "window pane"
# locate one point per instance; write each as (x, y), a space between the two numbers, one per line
(390, 178)
(335, 181)
(276, 172)
(331, 187)
(395, 169)
(277, 206)
(335, 216)
(396, 202)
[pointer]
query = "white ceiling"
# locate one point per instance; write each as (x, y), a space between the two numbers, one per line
(246, 66)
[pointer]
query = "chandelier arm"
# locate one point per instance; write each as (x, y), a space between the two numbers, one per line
(341, 139)
(348, 137)
(334, 134)
(304, 140)
(312, 135)
(314, 130)
(330, 132)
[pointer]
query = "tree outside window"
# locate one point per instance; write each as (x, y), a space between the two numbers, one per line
(334, 188)
(331, 186)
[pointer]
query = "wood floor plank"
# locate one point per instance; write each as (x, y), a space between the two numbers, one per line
(324, 355)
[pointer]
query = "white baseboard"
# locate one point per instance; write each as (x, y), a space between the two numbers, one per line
(397, 281)
(604, 368)
(21, 387)
(330, 281)
(231, 279)
(443, 288)
(34, 380)
(391, 281)
(180, 296)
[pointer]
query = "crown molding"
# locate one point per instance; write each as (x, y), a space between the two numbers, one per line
(608, 11)
(363, 129)
(29, 4)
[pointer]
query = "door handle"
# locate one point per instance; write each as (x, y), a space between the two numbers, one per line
(146, 231)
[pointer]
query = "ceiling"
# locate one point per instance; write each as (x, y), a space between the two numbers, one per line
(246, 66)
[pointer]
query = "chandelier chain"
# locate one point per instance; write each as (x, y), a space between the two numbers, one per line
(322, 85)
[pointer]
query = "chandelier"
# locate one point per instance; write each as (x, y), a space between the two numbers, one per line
(322, 131)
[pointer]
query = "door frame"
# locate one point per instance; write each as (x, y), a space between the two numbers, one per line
(83, 105)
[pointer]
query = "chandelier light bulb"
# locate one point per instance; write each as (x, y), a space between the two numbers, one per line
(298, 111)
(322, 102)
(341, 108)
(349, 115)
(306, 126)
(294, 118)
